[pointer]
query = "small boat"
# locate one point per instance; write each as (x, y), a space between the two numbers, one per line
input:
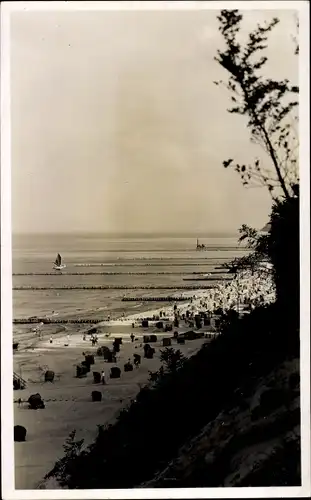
(200, 247)
(58, 263)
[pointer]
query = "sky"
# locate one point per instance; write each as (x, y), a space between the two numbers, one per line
(117, 125)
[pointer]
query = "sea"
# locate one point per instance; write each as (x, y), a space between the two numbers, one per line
(129, 261)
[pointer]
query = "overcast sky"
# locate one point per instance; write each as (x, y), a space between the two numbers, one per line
(118, 127)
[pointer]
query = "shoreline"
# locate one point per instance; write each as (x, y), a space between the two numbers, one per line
(68, 399)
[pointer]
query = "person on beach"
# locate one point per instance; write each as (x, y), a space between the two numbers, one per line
(19, 402)
(103, 377)
(84, 336)
(51, 340)
(132, 337)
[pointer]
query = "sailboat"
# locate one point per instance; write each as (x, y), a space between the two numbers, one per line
(58, 263)
(200, 247)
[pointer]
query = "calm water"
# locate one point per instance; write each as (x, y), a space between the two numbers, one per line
(35, 254)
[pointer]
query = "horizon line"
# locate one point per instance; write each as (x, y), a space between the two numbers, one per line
(129, 233)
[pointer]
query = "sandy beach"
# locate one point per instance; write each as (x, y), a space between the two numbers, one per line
(68, 403)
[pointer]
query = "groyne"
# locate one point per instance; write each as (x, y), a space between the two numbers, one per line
(140, 261)
(115, 287)
(210, 278)
(154, 299)
(48, 321)
(69, 321)
(114, 273)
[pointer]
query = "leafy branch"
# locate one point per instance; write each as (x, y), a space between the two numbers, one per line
(268, 104)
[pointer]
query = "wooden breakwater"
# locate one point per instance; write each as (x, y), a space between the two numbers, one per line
(219, 278)
(115, 287)
(141, 262)
(115, 273)
(154, 299)
(49, 321)
(92, 321)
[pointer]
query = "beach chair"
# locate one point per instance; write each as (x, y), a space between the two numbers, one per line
(49, 376)
(149, 353)
(35, 401)
(96, 377)
(166, 342)
(87, 365)
(116, 346)
(89, 358)
(115, 372)
(19, 433)
(81, 371)
(137, 359)
(96, 396)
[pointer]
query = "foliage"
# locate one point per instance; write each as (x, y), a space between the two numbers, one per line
(227, 320)
(172, 359)
(285, 256)
(258, 243)
(157, 375)
(269, 105)
(63, 467)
